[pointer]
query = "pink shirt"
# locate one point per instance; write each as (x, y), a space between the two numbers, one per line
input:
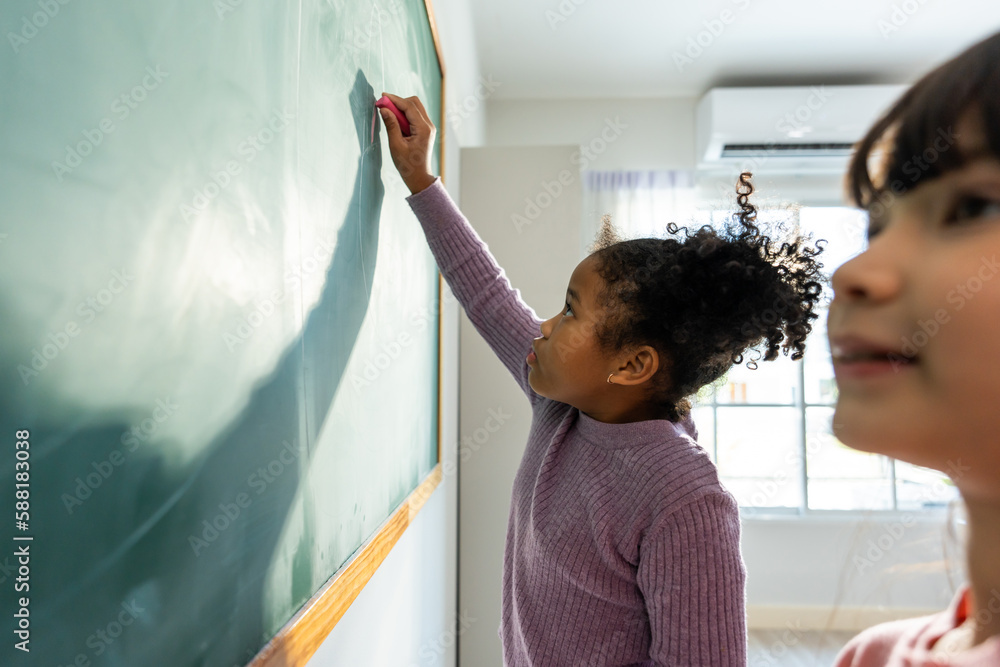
(908, 643)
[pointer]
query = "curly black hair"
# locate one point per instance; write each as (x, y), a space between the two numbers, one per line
(702, 301)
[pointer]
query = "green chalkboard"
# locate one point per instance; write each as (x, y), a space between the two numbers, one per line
(219, 316)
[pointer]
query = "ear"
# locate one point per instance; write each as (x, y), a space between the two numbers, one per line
(639, 367)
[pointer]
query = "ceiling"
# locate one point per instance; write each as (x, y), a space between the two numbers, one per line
(543, 49)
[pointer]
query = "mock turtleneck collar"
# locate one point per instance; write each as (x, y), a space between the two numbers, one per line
(614, 436)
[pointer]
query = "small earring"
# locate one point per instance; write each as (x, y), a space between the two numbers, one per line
(609, 379)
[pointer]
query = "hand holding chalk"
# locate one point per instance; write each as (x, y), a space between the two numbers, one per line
(411, 145)
(385, 103)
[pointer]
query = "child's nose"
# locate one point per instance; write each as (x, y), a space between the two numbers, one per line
(547, 327)
(871, 276)
(893, 256)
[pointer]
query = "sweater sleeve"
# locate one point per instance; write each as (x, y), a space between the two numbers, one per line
(495, 309)
(692, 577)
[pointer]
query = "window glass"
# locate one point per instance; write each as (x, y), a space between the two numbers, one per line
(759, 455)
(841, 478)
(758, 424)
(774, 381)
(704, 421)
(920, 488)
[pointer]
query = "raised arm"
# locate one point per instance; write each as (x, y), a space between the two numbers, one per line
(496, 309)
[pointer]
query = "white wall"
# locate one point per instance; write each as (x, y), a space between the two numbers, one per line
(538, 259)
(655, 133)
(463, 106)
(406, 615)
(797, 569)
(869, 570)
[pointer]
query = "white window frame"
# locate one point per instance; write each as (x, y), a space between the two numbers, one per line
(932, 512)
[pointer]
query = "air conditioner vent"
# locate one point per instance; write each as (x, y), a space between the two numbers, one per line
(832, 149)
(786, 129)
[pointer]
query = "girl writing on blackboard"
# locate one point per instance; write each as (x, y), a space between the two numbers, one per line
(622, 546)
(915, 334)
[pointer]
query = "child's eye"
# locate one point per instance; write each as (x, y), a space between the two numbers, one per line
(568, 307)
(971, 207)
(875, 225)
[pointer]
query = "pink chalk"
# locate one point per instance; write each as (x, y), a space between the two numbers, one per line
(385, 103)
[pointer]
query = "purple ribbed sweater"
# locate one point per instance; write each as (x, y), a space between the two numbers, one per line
(622, 546)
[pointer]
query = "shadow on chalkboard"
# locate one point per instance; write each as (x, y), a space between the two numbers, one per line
(118, 580)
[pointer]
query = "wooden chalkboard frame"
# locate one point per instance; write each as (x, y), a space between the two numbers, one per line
(302, 636)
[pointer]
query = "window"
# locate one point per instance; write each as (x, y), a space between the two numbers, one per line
(768, 430)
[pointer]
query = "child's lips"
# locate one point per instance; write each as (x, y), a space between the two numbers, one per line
(856, 357)
(869, 368)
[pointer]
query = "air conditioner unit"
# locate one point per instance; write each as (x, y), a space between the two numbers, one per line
(786, 129)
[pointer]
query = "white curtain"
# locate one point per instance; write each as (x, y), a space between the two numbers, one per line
(641, 203)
